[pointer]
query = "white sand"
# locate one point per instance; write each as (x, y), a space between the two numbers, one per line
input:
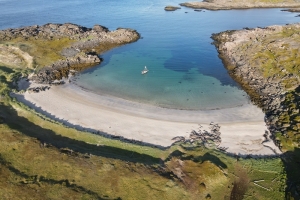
(242, 128)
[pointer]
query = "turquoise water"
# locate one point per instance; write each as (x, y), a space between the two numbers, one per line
(185, 71)
(182, 88)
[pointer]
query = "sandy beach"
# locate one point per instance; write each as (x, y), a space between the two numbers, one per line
(242, 128)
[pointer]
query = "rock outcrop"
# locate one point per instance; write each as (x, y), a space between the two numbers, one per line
(266, 63)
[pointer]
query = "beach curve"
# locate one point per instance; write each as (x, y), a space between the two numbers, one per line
(242, 128)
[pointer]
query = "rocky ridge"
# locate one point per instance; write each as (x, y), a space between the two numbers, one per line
(87, 37)
(265, 61)
(82, 53)
(240, 4)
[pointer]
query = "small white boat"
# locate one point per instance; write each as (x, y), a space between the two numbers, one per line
(145, 70)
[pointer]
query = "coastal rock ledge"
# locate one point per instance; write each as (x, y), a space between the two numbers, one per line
(266, 62)
(83, 52)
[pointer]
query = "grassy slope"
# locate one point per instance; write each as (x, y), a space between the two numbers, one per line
(42, 159)
(45, 51)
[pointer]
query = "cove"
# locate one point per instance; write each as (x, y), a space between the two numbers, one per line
(185, 71)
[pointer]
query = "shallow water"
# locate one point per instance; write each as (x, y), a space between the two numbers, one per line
(185, 71)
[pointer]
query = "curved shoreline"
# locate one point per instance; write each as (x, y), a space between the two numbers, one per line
(242, 128)
(224, 115)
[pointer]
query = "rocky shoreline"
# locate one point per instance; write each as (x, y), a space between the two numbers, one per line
(244, 4)
(265, 62)
(88, 42)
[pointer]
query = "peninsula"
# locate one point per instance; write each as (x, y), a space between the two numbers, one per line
(266, 62)
(243, 4)
(60, 48)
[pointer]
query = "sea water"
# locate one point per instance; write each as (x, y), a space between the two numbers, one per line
(184, 69)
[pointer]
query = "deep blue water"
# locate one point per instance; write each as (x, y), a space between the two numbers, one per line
(185, 71)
